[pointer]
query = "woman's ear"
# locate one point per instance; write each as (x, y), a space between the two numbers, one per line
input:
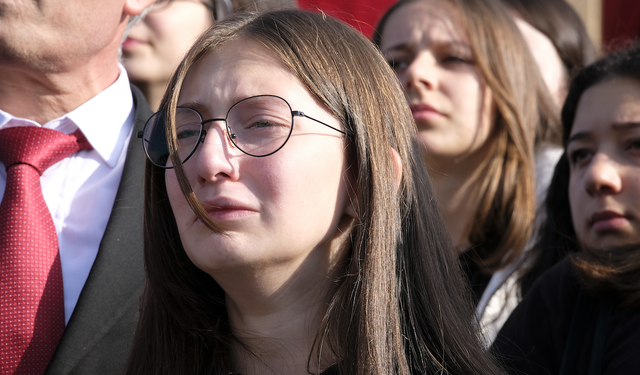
(397, 167)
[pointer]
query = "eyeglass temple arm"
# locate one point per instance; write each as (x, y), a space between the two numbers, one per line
(301, 114)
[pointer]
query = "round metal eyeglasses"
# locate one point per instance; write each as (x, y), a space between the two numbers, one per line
(258, 126)
(219, 8)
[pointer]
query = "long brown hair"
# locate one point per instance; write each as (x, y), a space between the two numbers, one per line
(400, 305)
(614, 271)
(524, 114)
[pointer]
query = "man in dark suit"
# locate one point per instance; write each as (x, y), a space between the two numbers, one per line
(59, 70)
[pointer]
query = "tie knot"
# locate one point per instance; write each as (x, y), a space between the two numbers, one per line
(38, 147)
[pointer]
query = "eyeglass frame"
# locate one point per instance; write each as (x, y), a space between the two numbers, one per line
(231, 136)
(218, 8)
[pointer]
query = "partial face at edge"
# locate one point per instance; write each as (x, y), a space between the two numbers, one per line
(604, 154)
(157, 43)
(451, 105)
(55, 35)
(279, 210)
(549, 63)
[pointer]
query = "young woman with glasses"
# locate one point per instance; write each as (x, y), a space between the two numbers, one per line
(290, 227)
(156, 44)
(480, 107)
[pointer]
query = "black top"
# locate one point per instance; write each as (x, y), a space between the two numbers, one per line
(533, 340)
(477, 277)
(333, 370)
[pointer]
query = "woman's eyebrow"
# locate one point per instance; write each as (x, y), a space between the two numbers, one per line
(400, 47)
(625, 125)
(194, 105)
(616, 126)
(578, 136)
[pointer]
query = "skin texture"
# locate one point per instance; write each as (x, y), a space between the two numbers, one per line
(425, 44)
(549, 62)
(604, 154)
(55, 54)
(289, 214)
(156, 44)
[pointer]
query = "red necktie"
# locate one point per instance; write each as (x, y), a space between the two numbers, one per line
(31, 293)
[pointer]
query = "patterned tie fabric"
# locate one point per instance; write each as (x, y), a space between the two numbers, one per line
(31, 293)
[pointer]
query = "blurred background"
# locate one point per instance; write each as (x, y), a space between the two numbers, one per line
(610, 23)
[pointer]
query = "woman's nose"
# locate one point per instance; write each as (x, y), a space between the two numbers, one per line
(216, 156)
(421, 73)
(603, 176)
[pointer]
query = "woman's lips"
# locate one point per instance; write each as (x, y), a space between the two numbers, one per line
(131, 43)
(424, 112)
(227, 211)
(604, 221)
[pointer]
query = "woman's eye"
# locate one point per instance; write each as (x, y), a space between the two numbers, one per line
(187, 134)
(264, 124)
(634, 145)
(455, 60)
(578, 156)
(397, 65)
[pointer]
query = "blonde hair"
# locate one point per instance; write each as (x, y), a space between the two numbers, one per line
(525, 116)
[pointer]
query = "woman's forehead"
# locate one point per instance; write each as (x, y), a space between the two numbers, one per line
(608, 105)
(424, 22)
(237, 70)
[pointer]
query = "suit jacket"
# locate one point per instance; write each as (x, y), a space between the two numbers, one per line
(100, 330)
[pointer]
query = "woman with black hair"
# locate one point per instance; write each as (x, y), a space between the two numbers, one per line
(583, 315)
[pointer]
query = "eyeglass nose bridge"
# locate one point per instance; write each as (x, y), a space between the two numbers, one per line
(231, 136)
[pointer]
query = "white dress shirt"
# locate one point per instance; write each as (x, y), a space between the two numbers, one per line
(80, 190)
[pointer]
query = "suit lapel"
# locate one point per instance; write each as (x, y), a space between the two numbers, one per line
(105, 316)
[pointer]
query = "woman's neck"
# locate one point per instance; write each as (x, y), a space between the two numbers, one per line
(456, 184)
(276, 316)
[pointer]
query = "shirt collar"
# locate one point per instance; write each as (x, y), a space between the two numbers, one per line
(105, 120)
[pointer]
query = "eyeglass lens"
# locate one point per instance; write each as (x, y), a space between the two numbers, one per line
(258, 126)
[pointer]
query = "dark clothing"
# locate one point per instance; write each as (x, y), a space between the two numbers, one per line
(533, 340)
(477, 277)
(333, 370)
(100, 331)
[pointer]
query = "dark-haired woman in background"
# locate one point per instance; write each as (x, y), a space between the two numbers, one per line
(583, 315)
(292, 229)
(480, 106)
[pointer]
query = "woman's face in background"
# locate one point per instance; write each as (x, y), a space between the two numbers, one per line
(158, 42)
(549, 63)
(283, 211)
(604, 154)
(425, 44)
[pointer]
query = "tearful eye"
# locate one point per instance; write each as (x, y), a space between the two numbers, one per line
(264, 124)
(184, 134)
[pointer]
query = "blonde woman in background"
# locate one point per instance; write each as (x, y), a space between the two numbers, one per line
(481, 108)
